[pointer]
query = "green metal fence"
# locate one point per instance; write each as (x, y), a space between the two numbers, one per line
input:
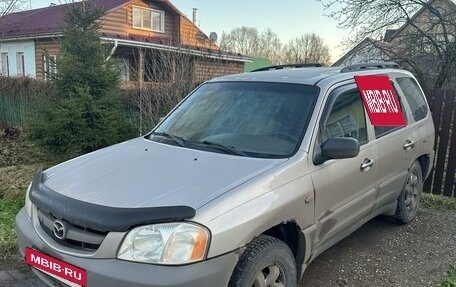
(15, 93)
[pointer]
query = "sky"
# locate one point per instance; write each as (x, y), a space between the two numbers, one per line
(289, 19)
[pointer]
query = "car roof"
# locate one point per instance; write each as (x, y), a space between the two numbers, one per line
(306, 76)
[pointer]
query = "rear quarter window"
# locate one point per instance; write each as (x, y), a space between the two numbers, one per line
(414, 97)
(384, 130)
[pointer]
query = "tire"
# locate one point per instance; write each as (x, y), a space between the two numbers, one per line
(409, 199)
(266, 262)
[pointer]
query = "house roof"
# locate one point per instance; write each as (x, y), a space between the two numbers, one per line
(51, 19)
(367, 41)
(45, 21)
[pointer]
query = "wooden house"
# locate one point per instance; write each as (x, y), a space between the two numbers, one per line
(152, 40)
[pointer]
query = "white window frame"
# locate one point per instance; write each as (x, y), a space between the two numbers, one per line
(151, 28)
(20, 63)
(4, 64)
(49, 66)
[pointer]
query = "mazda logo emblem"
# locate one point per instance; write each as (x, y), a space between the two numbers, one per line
(59, 229)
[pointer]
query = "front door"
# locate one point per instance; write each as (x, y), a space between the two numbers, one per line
(344, 188)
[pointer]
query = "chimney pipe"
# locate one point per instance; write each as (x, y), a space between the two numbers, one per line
(195, 16)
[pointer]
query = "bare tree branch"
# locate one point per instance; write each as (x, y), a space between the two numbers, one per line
(10, 6)
(425, 38)
(168, 78)
(248, 41)
(308, 48)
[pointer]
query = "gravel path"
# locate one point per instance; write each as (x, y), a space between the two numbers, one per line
(384, 254)
(378, 254)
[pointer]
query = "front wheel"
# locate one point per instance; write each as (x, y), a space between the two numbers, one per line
(409, 199)
(266, 262)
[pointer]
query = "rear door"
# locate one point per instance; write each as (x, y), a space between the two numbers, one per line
(397, 149)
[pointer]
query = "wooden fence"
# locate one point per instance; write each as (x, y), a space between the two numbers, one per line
(442, 180)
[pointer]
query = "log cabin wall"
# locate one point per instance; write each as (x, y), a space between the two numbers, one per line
(205, 69)
(45, 46)
(190, 35)
(115, 22)
(120, 22)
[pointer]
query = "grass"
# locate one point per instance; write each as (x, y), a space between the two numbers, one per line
(15, 152)
(9, 255)
(438, 202)
(451, 280)
(19, 158)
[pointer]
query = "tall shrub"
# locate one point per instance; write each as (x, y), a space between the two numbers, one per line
(84, 112)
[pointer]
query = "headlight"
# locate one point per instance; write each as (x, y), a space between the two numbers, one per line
(28, 203)
(167, 244)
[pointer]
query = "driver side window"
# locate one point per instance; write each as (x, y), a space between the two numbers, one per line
(346, 119)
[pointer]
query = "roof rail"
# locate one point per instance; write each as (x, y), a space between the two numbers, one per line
(290, 66)
(370, 66)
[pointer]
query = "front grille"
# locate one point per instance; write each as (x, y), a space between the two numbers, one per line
(77, 237)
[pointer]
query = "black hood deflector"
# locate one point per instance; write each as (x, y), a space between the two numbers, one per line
(99, 217)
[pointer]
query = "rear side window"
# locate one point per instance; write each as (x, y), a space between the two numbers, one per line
(384, 130)
(414, 97)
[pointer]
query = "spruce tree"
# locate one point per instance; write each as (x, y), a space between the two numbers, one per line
(84, 111)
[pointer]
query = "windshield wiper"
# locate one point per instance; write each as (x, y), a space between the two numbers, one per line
(230, 149)
(179, 140)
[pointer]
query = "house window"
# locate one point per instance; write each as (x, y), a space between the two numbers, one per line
(20, 63)
(4, 64)
(149, 19)
(49, 66)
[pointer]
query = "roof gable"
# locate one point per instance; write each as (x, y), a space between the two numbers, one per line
(367, 43)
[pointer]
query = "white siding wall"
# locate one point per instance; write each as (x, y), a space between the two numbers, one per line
(14, 49)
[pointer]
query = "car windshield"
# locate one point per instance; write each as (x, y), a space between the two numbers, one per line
(241, 118)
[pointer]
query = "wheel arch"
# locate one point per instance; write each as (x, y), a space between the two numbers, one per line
(290, 233)
(424, 161)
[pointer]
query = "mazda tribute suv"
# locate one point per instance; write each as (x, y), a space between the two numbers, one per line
(242, 184)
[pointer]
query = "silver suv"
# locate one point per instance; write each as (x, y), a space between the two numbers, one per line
(243, 184)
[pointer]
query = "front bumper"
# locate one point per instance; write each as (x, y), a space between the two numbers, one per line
(113, 272)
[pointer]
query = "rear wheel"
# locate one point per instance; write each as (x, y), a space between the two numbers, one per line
(266, 262)
(409, 199)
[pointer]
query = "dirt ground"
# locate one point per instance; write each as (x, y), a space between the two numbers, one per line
(384, 254)
(378, 254)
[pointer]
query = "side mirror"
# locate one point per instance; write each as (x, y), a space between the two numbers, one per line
(338, 148)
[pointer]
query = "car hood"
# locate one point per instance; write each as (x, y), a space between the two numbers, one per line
(143, 173)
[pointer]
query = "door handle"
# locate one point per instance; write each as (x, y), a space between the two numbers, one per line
(367, 164)
(409, 144)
